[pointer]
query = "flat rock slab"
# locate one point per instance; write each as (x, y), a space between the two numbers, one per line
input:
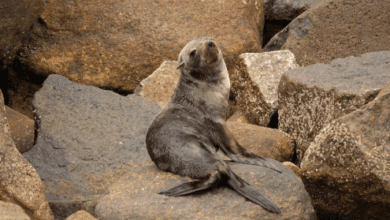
(161, 84)
(286, 9)
(311, 97)
(135, 197)
(19, 181)
(347, 168)
(335, 29)
(265, 142)
(87, 137)
(115, 44)
(10, 211)
(255, 82)
(22, 129)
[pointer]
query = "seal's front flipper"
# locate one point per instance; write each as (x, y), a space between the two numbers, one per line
(251, 192)
(191, 187)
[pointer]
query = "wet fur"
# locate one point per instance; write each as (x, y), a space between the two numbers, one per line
(185, 136)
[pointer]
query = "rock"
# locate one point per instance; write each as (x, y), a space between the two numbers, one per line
(286, 9)
(17, 18)
(347, 167)
(255, 83)
(161, 84)
(294, 168)
(87, 137)
(135, 197)
(10, 211)
(19, 182)
(81, 215)
(335, 29)
(22, 129)
(265, 142)
(311, 97)
(115, 44)
(238, 116)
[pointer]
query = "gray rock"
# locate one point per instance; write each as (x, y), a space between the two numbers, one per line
(10, 211)
(311, 97)
(335, 29)
(286, 9)
(255, 83)
(347, 167)
(135, 197)
(87, 137)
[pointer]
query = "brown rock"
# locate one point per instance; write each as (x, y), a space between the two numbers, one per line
(311, 97)
(161, 84)
(293, 168)
(336, 29)
(255, 83)
(17, 17)
(115, 44)
(347, 167)
(19, 182)
(265, 142)
(81, 215)
(22, 130)
(286, 9)
(10, 211)
(238, 116)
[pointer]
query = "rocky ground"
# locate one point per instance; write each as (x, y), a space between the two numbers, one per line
(81, 81)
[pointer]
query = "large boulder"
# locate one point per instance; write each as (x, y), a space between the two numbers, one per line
(135, 197)
(17, 17)
(347, 168)
(19, 182)
(311, 97)
(115, 44)
(254, 83)
(286, 9)
(87, 138)
(335, 29)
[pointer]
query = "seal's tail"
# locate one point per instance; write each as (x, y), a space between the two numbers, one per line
(250, 192)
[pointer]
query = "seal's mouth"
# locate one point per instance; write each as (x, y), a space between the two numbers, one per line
(211, 52)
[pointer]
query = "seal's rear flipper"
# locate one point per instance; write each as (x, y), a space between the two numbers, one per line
(251, 193)
(191, 187)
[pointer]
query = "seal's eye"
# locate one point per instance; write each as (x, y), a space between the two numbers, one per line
(193, 52)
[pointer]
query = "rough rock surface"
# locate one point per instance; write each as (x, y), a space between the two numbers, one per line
(255, 81)
(115, 44)
(16, 18)
(86, 138)
(81, 215)
(265, 142)
(135, 197)
(161, 84)
(347, 167)
(238, 116)
(311, 97)
(19, 181)
(286, 9)
(22, 129)
(10, 211)
(294, 168)
(336, 29)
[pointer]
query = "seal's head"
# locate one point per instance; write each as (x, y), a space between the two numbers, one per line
(201, 59)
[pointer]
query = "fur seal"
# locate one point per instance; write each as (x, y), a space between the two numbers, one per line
(185, 136)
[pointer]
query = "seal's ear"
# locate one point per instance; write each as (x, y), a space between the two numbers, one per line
(180, 65)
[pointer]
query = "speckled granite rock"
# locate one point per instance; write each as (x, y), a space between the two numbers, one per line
(294, 168)
(334, 29)
(10, 211)
(19, 181)
(347, 167)
(254, 83)
(135, 197)
(265, 142)
(87, 138)
(22, 129)
(81, 215)
(311, 97)
(161, 84)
